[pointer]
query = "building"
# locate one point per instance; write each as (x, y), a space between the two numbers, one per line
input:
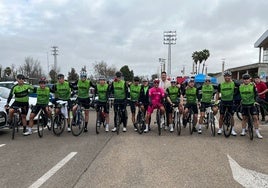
(262, 44)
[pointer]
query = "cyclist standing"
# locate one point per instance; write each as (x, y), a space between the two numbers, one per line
(83, 87)
(21, 91)
(227, 90)
(62, 90)
(43, 93)
(144, 96)
(102, 90)
(191, 94)
(248, 94)
(174, 97)
(156, 97)
(120, 90)
(134, 89)
(205, 96)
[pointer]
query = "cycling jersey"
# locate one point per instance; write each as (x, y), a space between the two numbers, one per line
(83, 88)
(207, 93)
(156, 95)
(119, 89)
(191, 95)
(174, 93)
(227, 91)
(21, 93)
(43, 96)
(63, 91)
(102, 91)
(134, 92)
(248, 93)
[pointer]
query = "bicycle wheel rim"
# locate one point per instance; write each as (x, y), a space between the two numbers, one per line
(177, 123)
(250, 128)
(212, 126)
(117, 123)
(14, 122)
(191, 125)
(78, 128)
(227, 127)
(139, 123)
(158, 123)
(58, 125)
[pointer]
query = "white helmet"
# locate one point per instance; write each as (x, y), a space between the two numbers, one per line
(173, 80)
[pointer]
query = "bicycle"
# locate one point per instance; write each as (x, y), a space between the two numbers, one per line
(158, 120)
(78, 125)
(227, 122)
(177, 118)
(118, 117)
(209, 120)
(42, 121)
(16, 121)
(140, 119)
(100, 119)
(59, 121)
(249, 122)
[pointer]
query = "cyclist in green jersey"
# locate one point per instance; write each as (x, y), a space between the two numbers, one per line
(43, 93)
(83, 86)
(174, 97)
(227, 89)
(21, 92)
(62, 90)
(102, 91)
(249, 94)
(134, 89)
(205, 96)
(191, 93)
(120, 91)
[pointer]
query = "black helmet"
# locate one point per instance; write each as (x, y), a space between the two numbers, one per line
(227, 73)
(118, 74)
(43, 80)
(60, 76)
(20, 77)
(136, 79)
(102, 77)
(245, 76)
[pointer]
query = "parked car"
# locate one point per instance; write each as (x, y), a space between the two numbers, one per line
(8, 84)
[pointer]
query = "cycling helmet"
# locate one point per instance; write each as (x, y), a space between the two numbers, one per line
(60, 76)
(136, 79)
(42, 80)
(245, 76)
(156, 81)
(227, 73)
(208, 78)
(118, 74)
(173, 80)
(20, 77)
(191, 80)
(83, 74)
(144, 80)
(102, 78)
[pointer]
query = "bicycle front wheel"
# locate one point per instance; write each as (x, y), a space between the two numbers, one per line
(14, 125)
(78, 127)
(158, 120)
(239, 112)
(58, 124)
(177, 122)
(227, 125)
(191, 123)
(117, 122)
(140, 122)
(98, 122)
(250, 127)
(40, 125)
(212, 124)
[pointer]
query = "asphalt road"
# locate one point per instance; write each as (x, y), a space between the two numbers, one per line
(128, 159)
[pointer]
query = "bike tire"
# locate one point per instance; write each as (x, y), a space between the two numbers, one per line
(206, 120)
(98, 122)
(250, 127)
(78, 127)
(14, 125)
(40, 125)
(58, 125)
(190, 121)
(117, 122)
(239, 112)
(212, 124)
(227, 125)
(177, 123)
(158, 120)
(140, 124)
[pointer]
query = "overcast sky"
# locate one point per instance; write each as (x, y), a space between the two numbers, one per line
(130, 32)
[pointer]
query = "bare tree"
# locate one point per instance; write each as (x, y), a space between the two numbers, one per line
(101, 68)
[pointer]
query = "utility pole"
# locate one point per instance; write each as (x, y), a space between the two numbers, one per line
(55, 53)
(162, 62)
(170, 38)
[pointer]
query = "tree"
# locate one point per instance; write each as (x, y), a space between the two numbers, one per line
(154, 76)
(206, 55)
(102, 69)
(73, 76)
(128, 75)
(195, 59)
(53, 75)
(7, 71)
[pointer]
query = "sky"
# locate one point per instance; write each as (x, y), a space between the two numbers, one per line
(130, 32)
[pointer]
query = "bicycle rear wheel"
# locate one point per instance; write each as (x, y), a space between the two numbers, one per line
(58, 124)
(212, 124)
(177, 122)
(40, 124)
(190, 121)
(117, 122)
(227, 125)
(14, 125)
(158, 120)
(78, 127)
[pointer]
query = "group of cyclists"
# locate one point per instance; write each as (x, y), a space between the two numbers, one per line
(163, 95)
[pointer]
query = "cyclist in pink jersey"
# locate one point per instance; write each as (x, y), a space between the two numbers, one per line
(156, 96)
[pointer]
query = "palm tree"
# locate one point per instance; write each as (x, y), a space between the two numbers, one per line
(206, 56)
(200, 59)
(195, 59)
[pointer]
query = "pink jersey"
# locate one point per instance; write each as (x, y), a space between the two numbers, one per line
(156, 95)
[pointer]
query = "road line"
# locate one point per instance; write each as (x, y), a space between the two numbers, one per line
(52, 171)
(1, 145)
(246, 177)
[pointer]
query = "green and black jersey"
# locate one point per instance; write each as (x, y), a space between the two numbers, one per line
(21, 92)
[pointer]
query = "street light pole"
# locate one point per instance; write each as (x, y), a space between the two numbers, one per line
(55, 53)
(170, 38)
(162, 62)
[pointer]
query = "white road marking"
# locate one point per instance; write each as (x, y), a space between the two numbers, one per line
(246, 177)
(52, 171)
(1, 145)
